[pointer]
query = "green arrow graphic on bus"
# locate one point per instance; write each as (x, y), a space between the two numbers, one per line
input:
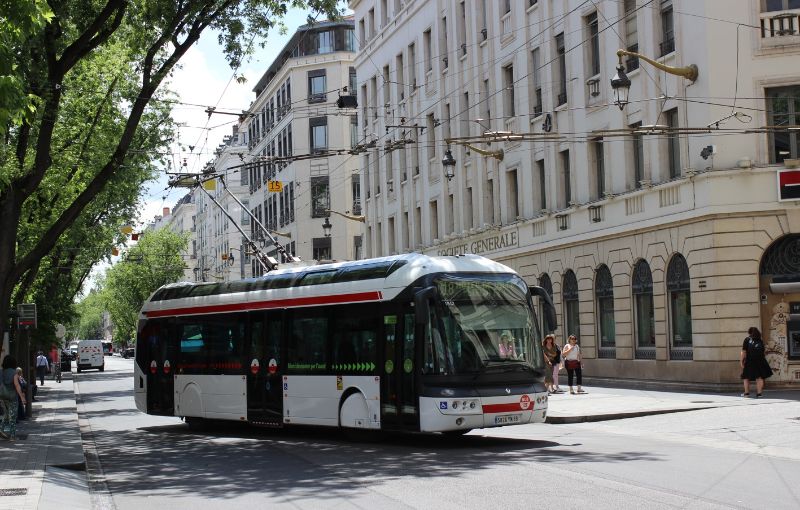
(372, 367)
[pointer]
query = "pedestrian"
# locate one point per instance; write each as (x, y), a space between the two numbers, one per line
(754, 362)
(552, 357)
(21, 414)
(573, 361)
(10, 389)
(42, 366)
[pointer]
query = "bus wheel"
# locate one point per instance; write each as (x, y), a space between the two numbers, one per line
(102, 368)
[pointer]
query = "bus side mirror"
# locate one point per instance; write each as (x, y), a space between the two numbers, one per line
(549, 308)
(422, 304)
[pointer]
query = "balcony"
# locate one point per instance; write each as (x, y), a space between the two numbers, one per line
(781, 27)
(505, 26)
(562, 98)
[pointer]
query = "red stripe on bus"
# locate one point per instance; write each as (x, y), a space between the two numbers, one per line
(276, 303)
(510, 407)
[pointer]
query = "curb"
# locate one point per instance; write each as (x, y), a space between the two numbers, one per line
(561, 420)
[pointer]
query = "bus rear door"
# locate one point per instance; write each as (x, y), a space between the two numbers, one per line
(264, 390)
(399, 402)
(157, 359)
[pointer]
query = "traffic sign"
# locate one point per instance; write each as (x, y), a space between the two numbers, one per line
(274, 186)
(26, 316)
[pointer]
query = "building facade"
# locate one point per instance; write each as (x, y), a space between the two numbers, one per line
(297, 141)
(658, 228)
(218, 245)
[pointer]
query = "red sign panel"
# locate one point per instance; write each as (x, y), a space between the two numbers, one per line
(788, 185)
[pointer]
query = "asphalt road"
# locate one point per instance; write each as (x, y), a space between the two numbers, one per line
(732, 457)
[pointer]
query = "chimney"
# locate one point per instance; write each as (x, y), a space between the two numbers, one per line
(165, 211)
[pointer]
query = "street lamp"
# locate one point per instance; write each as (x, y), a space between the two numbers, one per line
(326, 226)
(622, 84)
(622, 87)
(449, 163)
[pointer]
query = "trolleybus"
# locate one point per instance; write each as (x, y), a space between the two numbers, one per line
(404, 343)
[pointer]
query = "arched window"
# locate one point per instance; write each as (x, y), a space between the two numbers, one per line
(680, 308)
(547, 285)
(569, 294)
(642, 287)
(604, 294)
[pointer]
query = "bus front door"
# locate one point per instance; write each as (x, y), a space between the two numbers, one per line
(399, 403)
(158, 360)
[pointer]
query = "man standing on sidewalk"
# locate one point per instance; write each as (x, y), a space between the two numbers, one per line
(42, 366)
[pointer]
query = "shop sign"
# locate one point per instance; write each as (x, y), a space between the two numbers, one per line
(499, 241)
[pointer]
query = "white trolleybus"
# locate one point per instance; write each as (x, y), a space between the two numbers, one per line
(408, 343)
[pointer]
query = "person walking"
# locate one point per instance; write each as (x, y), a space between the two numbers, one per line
(573, 361)
(754, 363)
(552, 357)
(42, 367)
(10, 389)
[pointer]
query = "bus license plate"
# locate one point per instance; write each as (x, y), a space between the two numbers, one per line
(506, 419)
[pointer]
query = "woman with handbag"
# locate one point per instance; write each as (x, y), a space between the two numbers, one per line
(573, 361)
(552, 356)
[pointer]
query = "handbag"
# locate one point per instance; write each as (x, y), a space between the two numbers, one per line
(573, 364)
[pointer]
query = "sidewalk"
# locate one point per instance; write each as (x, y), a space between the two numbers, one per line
(603, 403)
(45, 468)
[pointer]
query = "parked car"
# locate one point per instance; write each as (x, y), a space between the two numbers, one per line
(129, 353)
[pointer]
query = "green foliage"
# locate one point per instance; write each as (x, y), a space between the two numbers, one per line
(79, 129)
(155, 261)
(90, 315)
(19, 20)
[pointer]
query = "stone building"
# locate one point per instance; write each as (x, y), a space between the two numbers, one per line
(297, 141)
(663, 229)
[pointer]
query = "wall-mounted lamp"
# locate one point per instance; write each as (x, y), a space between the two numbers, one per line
(449, 163)
(621, 84)
(326, 226)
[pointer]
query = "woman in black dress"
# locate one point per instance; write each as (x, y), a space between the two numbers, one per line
(754, 362)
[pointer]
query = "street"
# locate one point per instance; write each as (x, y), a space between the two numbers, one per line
(729, 457)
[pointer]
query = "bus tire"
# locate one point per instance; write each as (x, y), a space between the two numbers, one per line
(102, 368)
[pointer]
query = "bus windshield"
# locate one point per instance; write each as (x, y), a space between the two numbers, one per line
(481, 322)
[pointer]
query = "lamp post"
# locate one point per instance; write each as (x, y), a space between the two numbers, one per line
(621, 84)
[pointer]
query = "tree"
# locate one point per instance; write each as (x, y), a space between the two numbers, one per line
(90, 314)
(155, 261)
(148, 38)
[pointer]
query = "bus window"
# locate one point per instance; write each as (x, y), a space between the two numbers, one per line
(355, 342)
(308, 344)
(225, 339)
(192, 347)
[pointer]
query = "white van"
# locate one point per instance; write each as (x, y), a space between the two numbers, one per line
(90, 355)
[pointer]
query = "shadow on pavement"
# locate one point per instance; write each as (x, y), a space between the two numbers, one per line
(237, 459)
